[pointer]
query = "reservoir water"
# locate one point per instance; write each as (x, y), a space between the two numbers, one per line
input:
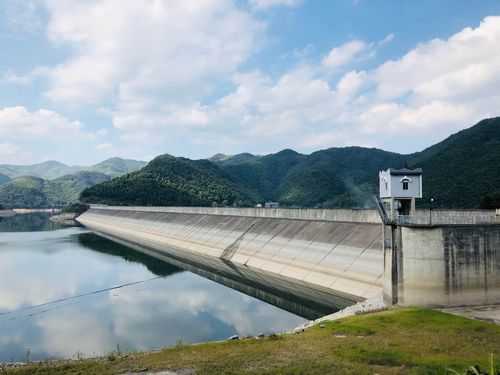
(67, 293)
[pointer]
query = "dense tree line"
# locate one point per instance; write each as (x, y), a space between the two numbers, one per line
(168, 181)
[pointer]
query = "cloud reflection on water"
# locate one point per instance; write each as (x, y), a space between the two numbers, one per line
(42, 266)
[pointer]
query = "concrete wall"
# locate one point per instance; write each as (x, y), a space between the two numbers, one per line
(344, 259)
(444, 266)
(442, 217)
(349, 215)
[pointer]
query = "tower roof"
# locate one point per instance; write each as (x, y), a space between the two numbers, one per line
(405, 172)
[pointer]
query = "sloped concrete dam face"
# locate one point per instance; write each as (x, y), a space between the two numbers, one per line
(342, 262)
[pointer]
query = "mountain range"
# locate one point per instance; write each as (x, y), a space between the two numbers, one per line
(459, 172)
(45, 184)
(50, 170)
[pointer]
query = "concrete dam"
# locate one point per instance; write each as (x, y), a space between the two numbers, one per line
(331, 258)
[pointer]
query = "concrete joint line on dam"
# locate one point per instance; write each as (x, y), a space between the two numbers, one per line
(349, 255)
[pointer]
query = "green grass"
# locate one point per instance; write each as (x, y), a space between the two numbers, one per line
(400, 341)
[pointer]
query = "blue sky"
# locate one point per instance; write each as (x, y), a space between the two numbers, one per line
(81, 81)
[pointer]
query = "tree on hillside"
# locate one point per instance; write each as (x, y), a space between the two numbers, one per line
(491, 201)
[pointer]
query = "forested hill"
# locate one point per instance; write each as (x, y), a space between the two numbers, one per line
(35, 192)
(337, 177)
(458, 173)
(168, 180)
(464, 168)
(50, 170)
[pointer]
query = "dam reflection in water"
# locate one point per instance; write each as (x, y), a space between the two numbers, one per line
(174, 305)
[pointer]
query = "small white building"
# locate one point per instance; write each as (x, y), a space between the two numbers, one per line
(399, 188)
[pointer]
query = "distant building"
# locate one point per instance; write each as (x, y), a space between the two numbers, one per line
(271, 205)
(399, 188)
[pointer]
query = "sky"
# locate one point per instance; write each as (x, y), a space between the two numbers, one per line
(85, 80)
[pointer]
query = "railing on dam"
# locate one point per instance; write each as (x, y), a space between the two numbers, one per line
(315, 214)
(428, 217)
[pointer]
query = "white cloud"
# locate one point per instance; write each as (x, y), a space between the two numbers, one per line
(18, 122)
(34, 136)
(177, 48)
(444, 62)
(419, 94)
(344, 54)
(437, 88)
(161, 81)
(265, 4)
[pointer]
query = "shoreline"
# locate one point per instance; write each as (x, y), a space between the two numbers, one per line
(363, 343)
(7, 213)
(66, 219)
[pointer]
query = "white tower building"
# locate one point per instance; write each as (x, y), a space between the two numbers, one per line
(398, 190)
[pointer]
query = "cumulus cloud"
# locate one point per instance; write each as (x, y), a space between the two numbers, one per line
(467, 60)
(438, 87)
(177, 47)
(179, 77)
(34, 136)
(19, 122)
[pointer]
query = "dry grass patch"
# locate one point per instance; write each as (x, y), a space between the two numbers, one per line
(399, 341)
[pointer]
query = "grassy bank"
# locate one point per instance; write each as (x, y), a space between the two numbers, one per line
(402, 341)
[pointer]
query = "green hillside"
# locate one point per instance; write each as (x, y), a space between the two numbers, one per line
(460, 172)
(47, 170)
(262, 175)
(464, 168)
(35, 192)
(171, 181)
(334, 177)
(337, 177)
(50, 170)
(24, 192)
(115, 167)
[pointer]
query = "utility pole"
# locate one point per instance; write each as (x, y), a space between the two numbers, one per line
(430, 210)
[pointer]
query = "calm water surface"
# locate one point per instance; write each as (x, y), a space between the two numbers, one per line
(45, 268)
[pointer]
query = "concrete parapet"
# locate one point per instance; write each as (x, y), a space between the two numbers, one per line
(316, 214)
(441, 217)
